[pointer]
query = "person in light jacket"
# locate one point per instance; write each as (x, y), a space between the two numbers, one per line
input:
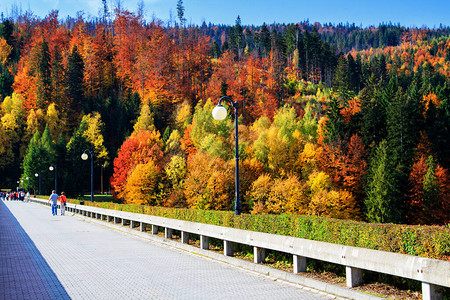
(54, 200)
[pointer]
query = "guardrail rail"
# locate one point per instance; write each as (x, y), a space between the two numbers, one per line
(432, 273)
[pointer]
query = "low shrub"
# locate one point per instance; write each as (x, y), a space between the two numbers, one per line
(426, 241)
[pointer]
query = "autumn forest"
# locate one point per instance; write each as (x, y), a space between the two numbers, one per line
(334, 120)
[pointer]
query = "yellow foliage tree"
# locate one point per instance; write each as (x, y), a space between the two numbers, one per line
(318, 181)
(278, 154)
(34, 121)
(259, 193)
(431, 97)
(183, 116)
(288, 195)
(173, 144)
(12, 116)
(310, 158)
(5, 50)
(335, 204)
(145, 119)
(141, 185)
(209, 183)
(13, 105)
(176, 171)
(249, 170)
(54, 121)
(93, 127)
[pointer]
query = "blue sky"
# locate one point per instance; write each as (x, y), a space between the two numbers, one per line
(361, 12)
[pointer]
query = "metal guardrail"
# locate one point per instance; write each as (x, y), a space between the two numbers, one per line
(434, 274)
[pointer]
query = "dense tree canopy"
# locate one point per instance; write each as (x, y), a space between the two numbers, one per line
(334, 120)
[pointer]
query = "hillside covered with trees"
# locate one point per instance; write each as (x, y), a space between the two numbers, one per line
(334, 120)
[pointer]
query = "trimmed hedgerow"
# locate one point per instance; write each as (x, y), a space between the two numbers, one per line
(426, 241)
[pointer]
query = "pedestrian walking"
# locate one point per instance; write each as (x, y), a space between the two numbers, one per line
(63, 202)
(28, 197)
(54, 200)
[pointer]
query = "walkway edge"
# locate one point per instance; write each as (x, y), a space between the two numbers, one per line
(307, 283)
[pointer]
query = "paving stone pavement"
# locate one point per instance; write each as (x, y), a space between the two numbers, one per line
(63, 257)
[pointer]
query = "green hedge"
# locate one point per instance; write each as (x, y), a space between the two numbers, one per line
(426, 241)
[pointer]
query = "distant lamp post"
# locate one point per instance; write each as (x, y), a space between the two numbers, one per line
(220, 113)
(51, 168)
(38, 174)
(84, 156)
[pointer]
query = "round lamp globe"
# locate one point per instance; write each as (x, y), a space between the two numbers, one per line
(219, 112)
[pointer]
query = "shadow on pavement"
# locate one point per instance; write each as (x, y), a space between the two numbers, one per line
(24, 272)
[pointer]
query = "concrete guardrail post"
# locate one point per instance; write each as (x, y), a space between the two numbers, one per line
(168, 233)
(185, 237)
(204, 242)
(259, 255)
(431, 291)
(354, 276)
(299, 264)
(228, 248)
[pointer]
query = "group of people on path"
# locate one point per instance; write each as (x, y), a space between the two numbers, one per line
(21, 196)
(54, 198)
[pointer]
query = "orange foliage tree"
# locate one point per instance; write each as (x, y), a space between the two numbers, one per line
(209, 182)
(346, 168)
(129, 33)
(140, 148)
(429, 195)
(141, 184)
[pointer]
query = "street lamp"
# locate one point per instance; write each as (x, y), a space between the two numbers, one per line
(28, 183)
(38, 174)
(84, 156)
(220, 113)
(51, 168)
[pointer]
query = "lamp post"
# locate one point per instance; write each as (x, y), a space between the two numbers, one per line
(220, 113)
(51, 168)
(38, 174)
(84, 156)
(28, 183)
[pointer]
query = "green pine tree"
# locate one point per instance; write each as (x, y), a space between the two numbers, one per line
(78, 171)
(403, 118)
(382, 193)
(58, 84)
(335, 124)
(373, 113)
(34, 160)
(43, 71)
(75, 90)
(47, 142)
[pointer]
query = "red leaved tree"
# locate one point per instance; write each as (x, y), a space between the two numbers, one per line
(429, 195)
(140, 148)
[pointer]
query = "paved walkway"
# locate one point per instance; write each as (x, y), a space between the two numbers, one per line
(63, 257)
